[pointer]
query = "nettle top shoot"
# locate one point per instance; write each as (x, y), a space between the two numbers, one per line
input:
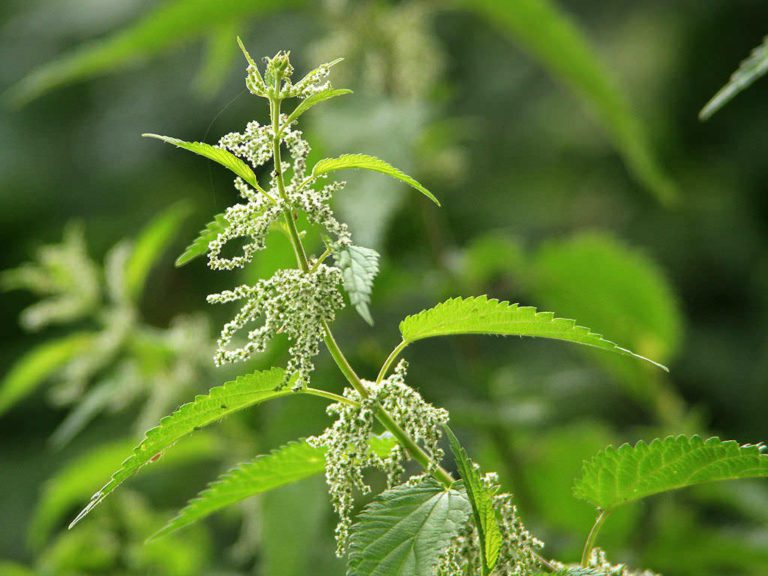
(427, 523)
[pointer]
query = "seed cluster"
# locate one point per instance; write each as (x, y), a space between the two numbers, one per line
(291, 302)
(519, 549)
(347, 441)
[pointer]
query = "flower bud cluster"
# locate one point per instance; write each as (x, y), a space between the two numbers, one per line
(291, 302)
(254, 144)
(347, 441)
(518, 555)
(278, 72)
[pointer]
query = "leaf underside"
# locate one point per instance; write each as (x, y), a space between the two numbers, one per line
(482, 503)
(366, 162)
(616, 476)
(243, 392)
(405, 529)
(359, 267)
(481, 315)
(748, 72)
(199, 246)
(218, 155)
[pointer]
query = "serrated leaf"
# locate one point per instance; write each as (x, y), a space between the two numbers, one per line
(243, 392)
(218, 155)
(199, 246)
(481, 500)
(616, 476)
(290, 463)
(32, 369)
(366, 162)
(149, 245)
(82, 475)
(170, 24)
(748, 72)
(481, 315)
(359, 267)
(405, 529)
(316, 98)
(544, 30)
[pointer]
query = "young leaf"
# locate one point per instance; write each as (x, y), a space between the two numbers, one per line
(359, 267)
(405, 529)
(366, 162)
(616, 476)
(481, 315)
(149, 246)
(316, 98)
(170, 24)
(221, 401)
(81, 476)
(481, 500)
(218, 155)
(543, 29)
(199, 246)
(291, 463)
(32, 369)
(748, 72)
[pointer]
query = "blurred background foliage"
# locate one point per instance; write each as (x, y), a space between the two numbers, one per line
(563, 141)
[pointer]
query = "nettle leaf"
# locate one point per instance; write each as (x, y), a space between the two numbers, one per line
(359, 267)
(81, 476)
(748, 72)
(149, 245)
(37, 365)
(316, 98)
(199, 247)
(163, 28)
(286, 465)
(481, 500)
(366, 162)
(481, 315)
(218, 155)
(243, 392)
(616, 476)
(405, 530)
(543, 29)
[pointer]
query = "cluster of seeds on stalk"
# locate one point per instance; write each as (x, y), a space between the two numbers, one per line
(518, 555)
(347, 441)
(291, 302)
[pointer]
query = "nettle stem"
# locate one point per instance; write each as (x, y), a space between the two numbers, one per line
(592, 537)
(416, 452)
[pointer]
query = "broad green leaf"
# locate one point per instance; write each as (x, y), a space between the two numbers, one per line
(286, 465)
(316, 98)
(405, 530)
(81, 476)
(748, 72)
(359, 267)
(218, 155)
(545, 31)
(366, 162)
(169, 25)
(199, 246)
(481, 500)
(616, 476)
(481, 315)
(32, 369)
(149, 245)
(221, 401)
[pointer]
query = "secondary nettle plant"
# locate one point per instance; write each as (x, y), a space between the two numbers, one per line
(434, 521)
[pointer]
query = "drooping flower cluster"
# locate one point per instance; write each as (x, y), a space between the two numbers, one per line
(518, 555)
(348, 439)
(291, 302)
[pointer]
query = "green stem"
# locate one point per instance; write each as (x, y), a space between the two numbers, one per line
(329, 395)
(390, 359)
(592, 537)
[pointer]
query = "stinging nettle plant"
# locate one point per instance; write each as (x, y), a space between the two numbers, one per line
(431, 522)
